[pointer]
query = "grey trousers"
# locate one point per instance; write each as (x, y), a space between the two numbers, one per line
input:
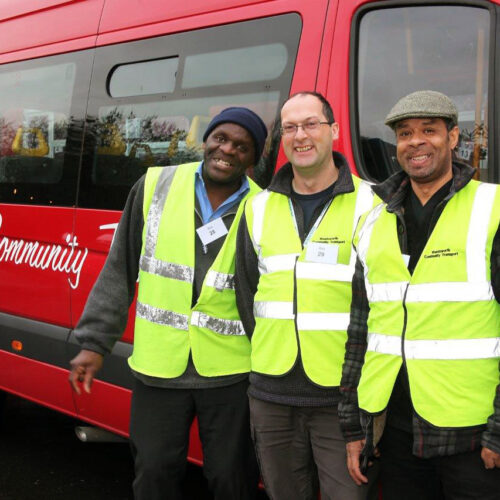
(297, 447)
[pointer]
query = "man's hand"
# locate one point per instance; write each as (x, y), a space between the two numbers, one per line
(83, 369)
(490, 458)
(353, 462)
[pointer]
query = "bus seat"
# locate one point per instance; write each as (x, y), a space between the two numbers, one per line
(199, 124)
(111, 141)
(41, 147)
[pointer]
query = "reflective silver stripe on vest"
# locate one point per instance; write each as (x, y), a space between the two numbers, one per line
(430, 292)
(156, 208)
(148, 262)
(450, 292)
(384, 344)
(219, 281)
(317, 271)
(322, 321)
(217, 325)
(478, 232)
(364, 202)
(259, 203)
(435, 349)
(385, 292)
(166, 269)
(273, 310)
(365, 232)
(277, 263)
(161, 316)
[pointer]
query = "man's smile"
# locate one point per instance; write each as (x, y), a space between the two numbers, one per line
(303, 149)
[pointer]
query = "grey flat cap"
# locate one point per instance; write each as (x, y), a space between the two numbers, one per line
(422, 104)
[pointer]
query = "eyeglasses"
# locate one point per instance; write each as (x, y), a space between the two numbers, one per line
(310, 126)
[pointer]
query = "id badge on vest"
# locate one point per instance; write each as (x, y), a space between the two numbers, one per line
(212, 231)
(322, 253)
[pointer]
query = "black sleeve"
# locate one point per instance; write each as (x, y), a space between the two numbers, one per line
(246, 276)
(495, 265)
(491, 436)
(354, 358)
(106, 312)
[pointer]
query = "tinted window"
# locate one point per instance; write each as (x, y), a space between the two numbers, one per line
(128, 133)
(41, 110)
(202, 70)
(405, 49)
(148, 77)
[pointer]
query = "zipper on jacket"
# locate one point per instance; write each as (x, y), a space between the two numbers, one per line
(295, 308)
(403, 242)
(403, 333)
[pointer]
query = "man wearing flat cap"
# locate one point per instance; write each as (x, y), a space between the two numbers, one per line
(191, 356)
(423, 346)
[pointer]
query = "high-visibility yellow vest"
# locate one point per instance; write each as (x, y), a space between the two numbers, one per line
(166, 326)
(443, 320)
(303, 298)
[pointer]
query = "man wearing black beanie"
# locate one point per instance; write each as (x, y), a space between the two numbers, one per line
(191, 356)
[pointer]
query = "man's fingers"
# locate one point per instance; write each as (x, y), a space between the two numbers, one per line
(73, 380)
(355, 472)
(353, 450)
(87, 381)
(490, 458)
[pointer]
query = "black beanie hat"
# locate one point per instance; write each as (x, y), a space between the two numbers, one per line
(247, 119)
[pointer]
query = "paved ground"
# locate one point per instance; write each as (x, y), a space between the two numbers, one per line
(41, 458)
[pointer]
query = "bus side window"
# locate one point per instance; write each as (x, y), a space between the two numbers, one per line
(37, 110)
(404, 49)
(161, 95)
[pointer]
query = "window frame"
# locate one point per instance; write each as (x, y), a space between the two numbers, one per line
(493, 76)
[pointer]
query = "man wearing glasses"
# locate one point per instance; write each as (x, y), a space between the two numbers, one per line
(294, 266)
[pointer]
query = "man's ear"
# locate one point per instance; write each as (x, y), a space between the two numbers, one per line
(335, 130)
(454, 135)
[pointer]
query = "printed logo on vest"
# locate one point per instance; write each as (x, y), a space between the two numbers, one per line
(330, 239)
(437, 254)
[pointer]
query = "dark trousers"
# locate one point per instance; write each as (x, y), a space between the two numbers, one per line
(159, 435)
(296, 447)
(455, 477)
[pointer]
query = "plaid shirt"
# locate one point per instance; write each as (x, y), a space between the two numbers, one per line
(428, 441)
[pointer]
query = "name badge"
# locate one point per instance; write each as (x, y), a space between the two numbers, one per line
(406, 259)
(322, 253)
(212, 231)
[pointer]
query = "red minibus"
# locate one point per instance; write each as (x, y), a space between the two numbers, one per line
(92, 92)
